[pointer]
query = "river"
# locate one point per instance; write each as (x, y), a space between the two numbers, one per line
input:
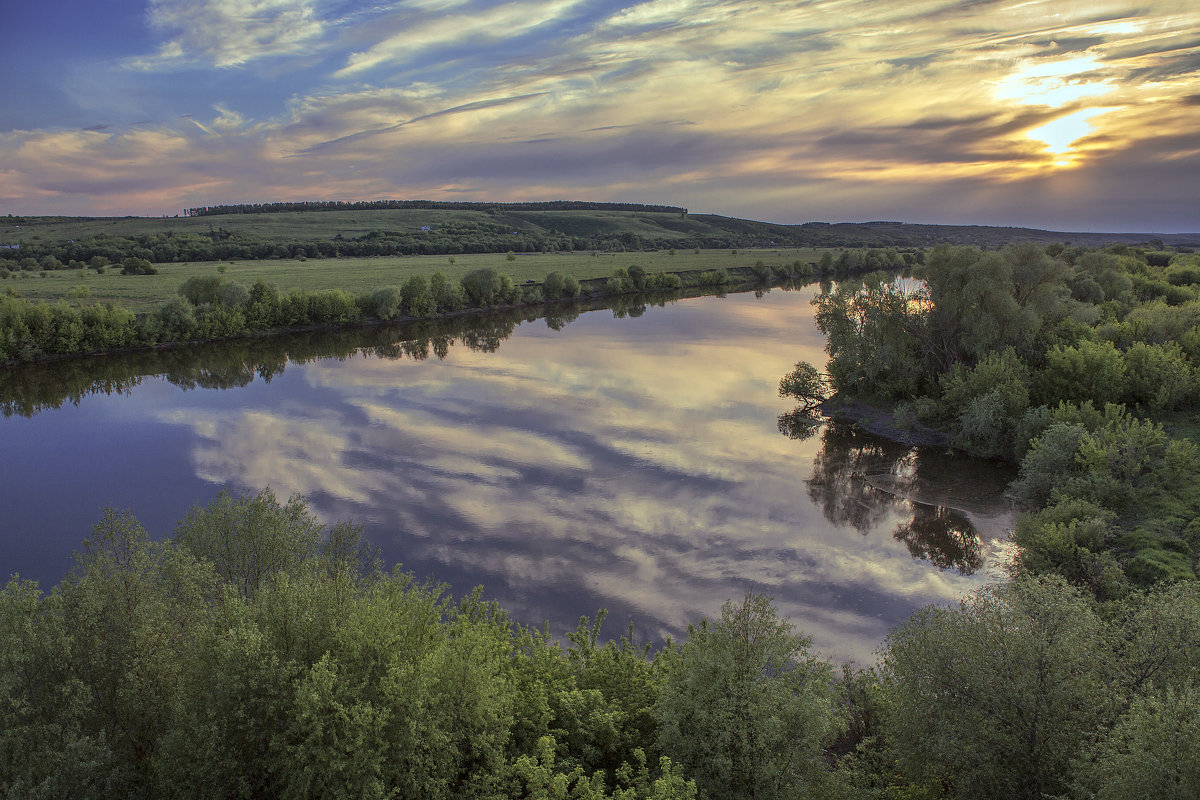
(628, 460)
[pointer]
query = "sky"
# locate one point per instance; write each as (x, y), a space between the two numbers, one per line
(1077, 115)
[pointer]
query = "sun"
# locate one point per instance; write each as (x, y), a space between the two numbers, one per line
(1060, 134)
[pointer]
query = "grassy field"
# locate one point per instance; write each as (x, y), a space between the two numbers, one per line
(357, 275)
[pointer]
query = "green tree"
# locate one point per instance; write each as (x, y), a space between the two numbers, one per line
(1092, 371)
(806, 384)
(995, 698)
(745, 708)
(553, 285)
(385, 303)
(201, 289)
(249, 539)
(418, 300)
(1153, 751)
(447, 295)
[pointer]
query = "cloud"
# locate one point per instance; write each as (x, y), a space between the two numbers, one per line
(497, 23)
(718, 106)
(230, 33)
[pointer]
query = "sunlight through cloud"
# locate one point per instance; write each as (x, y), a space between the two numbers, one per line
(1060, 134)
(1054, 84)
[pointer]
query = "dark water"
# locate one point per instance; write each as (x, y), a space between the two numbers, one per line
(629, 461)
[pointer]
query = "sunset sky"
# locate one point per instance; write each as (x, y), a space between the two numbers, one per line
(1060, 114)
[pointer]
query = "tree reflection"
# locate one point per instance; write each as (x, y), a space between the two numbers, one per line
(30, 388)
(840, 484)
(800, 424)
(860, 479)
(942, 536)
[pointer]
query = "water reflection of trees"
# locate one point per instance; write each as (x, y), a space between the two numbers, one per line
(943, 536)
(848, 471)
(28, 389)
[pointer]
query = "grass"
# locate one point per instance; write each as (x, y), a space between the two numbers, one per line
(359, 275)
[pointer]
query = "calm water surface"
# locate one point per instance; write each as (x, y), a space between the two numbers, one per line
(634, 464)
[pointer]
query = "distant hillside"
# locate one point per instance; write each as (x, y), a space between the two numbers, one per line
(329, 230)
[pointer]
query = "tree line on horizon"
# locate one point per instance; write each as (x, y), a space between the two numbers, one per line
(442, 205)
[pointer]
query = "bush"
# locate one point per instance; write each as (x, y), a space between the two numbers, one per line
(233, 294)
(1158, 376)
(1050, 458)
(619, 283)
(995, 699)
(1092, 371)
(1150, 752)
(385, 303)
(637, 276)
(138, 266)
(486, 287)
(447, 295)
(201, 289)
(553, 285)
(417, 299)
(745, 708)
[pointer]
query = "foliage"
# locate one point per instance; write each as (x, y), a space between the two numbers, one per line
(201, 289)
(1151, 752)
(745, 708)
(1003, 721)
(259, 652)
(805, 383)
(386, 303)
(1027, 354)
(874, 329)
(138, 266)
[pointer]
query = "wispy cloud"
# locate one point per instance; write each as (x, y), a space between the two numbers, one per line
(495, 24)
(230, 33)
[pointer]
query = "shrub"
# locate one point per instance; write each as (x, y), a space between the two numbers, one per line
(417, 299)
(138, 266)
(447, 295)
(385, 303)
(1158, 376)
(201, 289)
(1088, 371)
(233, 294)
(553, 285)
(637, 276)
(486, 287)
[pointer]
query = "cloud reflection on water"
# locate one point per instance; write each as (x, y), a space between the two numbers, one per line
(633, 465)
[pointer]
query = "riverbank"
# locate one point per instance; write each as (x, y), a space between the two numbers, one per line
(40, 332)
(882, 420)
